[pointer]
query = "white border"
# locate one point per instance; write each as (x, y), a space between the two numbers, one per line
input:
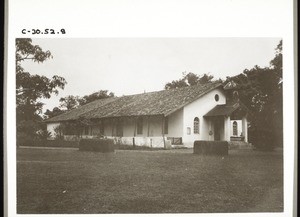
(157, 18)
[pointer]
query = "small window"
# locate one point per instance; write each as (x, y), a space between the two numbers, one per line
(188, 131)
(234, 126)
(217, 97)
(140, 125)
(196, 125)
(166, 125)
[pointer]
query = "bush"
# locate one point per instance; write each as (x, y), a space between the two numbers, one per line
(99, 145)
(262, 139)
(48, 143)
(211, 147)
(61, 143)
(24, 140)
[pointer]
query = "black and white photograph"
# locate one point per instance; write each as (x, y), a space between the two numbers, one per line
(148, 124)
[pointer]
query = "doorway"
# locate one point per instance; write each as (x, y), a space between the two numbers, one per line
(218, 128)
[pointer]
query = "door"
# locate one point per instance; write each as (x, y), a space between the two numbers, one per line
(217, 129)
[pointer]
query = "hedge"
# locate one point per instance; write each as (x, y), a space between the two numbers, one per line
(98, 145)
(48, 143)
(211, 147)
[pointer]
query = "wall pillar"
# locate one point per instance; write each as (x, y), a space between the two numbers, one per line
(210, 130)
(227, 128)
(245, 128)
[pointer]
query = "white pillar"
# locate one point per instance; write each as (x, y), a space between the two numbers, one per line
(210, 136)
(245, 128)
(227, 128)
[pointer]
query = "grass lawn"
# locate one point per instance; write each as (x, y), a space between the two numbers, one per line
(164, 181)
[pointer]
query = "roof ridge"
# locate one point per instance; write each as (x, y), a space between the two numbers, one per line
(174, 89)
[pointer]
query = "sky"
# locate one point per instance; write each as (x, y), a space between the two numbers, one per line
(128, 66)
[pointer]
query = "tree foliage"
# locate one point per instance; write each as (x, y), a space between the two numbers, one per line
(189, 79)
(55, 111)
(101, 94)
(70, 102)
(260, 89)
(30, 89)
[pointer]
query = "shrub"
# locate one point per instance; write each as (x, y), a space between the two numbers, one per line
(24, 140)
(262, 139)
(211, 147)
(99, 145)
(61, 143)
(48, 143)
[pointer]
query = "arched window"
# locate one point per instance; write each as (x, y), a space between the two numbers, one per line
(234, 128)
(196, 125)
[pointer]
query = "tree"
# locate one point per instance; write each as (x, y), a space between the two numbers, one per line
(69, 102)
(101, 94)
(31, 88)
(55, 111)
(260, 89)
(189, 79)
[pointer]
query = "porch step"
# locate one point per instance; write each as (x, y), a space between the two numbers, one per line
(239, 145)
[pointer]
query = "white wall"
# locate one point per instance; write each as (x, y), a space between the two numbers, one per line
(175, 124)
(151, 142)
(51, 127)
(199, 108)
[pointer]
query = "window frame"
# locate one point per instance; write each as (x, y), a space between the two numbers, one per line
(217, 97)
(196, 125)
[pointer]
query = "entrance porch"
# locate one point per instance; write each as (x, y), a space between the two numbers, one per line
(228, 123)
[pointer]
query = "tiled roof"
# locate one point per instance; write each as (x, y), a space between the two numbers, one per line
(226, 109)
(76, 113)
(162, 102)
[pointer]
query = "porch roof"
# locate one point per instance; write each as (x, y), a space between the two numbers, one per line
(226, 109)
